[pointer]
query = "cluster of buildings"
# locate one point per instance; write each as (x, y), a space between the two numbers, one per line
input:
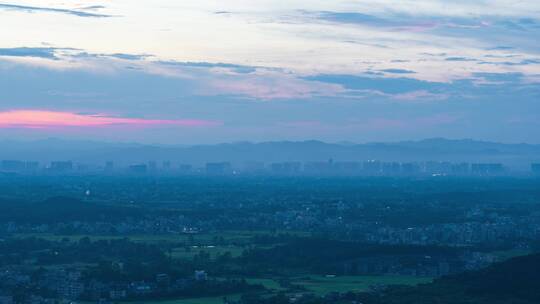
(457, 234)
(61, 284)
(476, 226)
(157, 225)
(419, 265)
(337, 168)
(293, 168)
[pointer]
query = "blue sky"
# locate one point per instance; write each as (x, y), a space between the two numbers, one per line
(185, 72)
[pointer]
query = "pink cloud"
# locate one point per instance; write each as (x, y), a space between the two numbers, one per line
(53, 119)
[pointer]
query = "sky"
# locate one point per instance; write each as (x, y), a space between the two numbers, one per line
(196, 72)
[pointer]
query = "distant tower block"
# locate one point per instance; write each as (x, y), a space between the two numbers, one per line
(166, 165)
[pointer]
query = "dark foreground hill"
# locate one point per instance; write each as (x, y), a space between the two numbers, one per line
(511, 282)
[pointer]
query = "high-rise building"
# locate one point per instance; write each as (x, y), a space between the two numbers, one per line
(433, 167)
(222, 168)
(61, 166)
(410, 168)
(254, 167)
(185, 168)
(31, 166)
(319, 168)
(460, 169)
(535, 168)
(347, 168)
(13, 165)
(392, 168)
(487, 169)
(109, 166)
(372, 167)
(286, 168)
(166, 165)
(138, 169)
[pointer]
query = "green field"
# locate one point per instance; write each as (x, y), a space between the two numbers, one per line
(230, 237)
(270, 284)
(317, 284)
(186, 246)
(214, 244)
(211, 300)
(322, 285)
(214, 251)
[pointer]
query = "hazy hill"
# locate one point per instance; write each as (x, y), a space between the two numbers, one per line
(514, 281)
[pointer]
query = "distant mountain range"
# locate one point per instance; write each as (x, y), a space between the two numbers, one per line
(435, 149)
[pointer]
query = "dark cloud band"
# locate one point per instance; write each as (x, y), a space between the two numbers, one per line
(51, 10)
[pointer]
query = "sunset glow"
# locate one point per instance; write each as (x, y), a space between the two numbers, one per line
(75, 68)
(46, 119)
